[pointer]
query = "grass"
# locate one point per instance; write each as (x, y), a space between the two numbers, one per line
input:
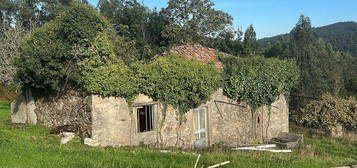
(33, 146)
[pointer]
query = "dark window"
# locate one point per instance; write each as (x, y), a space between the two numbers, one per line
(146, 118)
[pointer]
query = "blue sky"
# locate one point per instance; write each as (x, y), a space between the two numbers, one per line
(273, 17)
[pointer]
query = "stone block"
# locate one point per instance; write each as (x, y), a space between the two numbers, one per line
(337, 131)
(91, 142)
(67, 136)
(288, 140)
(23, 109)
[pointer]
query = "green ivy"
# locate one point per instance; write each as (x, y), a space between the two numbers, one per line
(257, 80)
(102, 73)
(185, 84)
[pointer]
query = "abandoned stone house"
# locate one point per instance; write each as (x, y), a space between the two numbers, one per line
(113, 122)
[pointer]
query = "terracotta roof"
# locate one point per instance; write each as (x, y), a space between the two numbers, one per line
(198, 52)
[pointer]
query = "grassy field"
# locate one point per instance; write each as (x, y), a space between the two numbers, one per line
(33, 146)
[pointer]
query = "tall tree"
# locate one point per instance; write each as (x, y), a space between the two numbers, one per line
(191, 20)
(135, 22)
(319, 64)
(128, 16)
(250, 44)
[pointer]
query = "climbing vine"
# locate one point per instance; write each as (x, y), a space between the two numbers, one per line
(185, 84)
(102, 73)
(258, 81)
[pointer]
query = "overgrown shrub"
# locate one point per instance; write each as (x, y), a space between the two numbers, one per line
(80, 23)
(185, 84)
(257, 80)
(328, 113)
(43, 59)
(102, 73)
(48, 57)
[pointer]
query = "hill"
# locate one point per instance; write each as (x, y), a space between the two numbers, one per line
(341, 35)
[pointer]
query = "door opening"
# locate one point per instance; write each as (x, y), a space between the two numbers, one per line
(200, 126)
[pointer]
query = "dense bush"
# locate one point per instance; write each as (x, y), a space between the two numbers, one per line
(329, 112)
(257, 80)
(102, 73)
(184, 84)
(43, 59)
(80, 23)
(48, 58)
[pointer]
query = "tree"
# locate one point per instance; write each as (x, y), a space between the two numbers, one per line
(250, 44)
(191, 20)
(277, 49)
(320, 66)
(136, 23)
(49, 57)
(9, 45)
(228, 42)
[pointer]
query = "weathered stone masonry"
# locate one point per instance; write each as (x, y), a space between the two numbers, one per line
(112, 122)
(115, 124)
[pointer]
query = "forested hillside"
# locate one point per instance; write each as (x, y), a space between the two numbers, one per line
(342, 36)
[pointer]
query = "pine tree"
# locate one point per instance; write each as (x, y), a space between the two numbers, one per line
(319, 64)
(250, 44)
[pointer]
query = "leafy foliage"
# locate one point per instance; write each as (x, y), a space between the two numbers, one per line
(229, 42)
(102, 73)
(341, 36)
(258, 81)
(79, 24)
(137, 25)
(41, 63)
(329, 112)
(193, 20)
(47, 58)
(184, 84)
(320, 66)
(250, 42)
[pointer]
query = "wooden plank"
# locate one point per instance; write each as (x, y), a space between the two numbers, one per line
(219, 164)
(198, 158)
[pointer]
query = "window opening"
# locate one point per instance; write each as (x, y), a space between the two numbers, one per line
(146, 118)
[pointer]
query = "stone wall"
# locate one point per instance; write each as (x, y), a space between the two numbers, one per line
(114, 123)
(71, 108)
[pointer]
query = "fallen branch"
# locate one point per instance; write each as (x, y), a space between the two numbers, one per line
(219, 164)
(198, 158)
